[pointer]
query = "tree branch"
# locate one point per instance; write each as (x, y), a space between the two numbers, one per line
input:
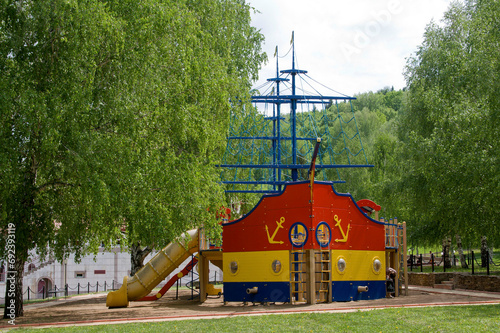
(54, 183)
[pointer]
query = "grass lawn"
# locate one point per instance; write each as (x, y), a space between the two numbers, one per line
(478, 318)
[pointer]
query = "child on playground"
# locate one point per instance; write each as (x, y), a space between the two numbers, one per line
(390, 275)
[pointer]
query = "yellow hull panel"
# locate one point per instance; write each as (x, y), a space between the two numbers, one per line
(256, 266)
(359, 265)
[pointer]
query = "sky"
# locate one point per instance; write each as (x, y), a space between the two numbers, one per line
(352, 46)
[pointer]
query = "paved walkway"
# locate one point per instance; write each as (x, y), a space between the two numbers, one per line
(60, 301)
(462, 292)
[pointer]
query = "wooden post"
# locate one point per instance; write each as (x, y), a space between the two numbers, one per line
(396, 233)
(405, 266)
(202, 240)
(397, 243)
(292, 267)
(203, 264)
(391, 231)
(330, 287)
(397, 267)
(311, 277)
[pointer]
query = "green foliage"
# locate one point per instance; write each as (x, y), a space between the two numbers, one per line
(58, 123)
(434, 145)
(450, 127)
(114, 113)
(378, 122)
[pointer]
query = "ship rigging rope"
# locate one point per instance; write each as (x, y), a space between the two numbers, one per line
(335, 91)
(287, 52)
(259, 148)
(247, 145)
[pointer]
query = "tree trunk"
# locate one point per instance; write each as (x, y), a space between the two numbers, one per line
(13, 287)
(18, 241)
(484, 251)
(137, 256)
(446, 252)
(463, 260)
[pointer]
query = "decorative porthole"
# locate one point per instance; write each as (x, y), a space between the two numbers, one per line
(323, 234)
(276, 267)
(341, 265)
(298, 234)
(233, 267)
(376, 265)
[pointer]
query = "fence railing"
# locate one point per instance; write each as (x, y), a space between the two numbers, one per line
(393, 233)
(434, 261)
(81, 288)
(88, 288)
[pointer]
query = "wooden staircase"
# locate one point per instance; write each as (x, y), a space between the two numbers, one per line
(44, 264)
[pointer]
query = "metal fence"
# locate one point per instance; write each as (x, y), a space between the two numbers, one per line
(419, 262)
(79, 289)
(88, 288)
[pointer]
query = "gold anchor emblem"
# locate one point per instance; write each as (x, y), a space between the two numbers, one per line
(345, 235)
(271, 238)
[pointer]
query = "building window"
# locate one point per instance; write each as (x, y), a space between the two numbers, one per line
(31, 267)
(80, 275)
(99, 271)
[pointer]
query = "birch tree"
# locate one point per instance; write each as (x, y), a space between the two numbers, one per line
(451, 126)
(113, 114)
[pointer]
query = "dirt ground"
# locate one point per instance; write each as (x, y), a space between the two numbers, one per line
(92, 308)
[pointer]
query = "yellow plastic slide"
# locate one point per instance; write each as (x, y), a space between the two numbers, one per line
(155, 271)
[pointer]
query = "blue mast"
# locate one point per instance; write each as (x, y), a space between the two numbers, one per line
(276, 180)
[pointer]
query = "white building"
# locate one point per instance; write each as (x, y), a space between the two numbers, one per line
(104, 272)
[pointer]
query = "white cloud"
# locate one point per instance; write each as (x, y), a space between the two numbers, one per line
(352, 47)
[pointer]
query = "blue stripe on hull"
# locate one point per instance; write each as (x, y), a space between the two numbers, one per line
(267, 292)
(344, 291)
